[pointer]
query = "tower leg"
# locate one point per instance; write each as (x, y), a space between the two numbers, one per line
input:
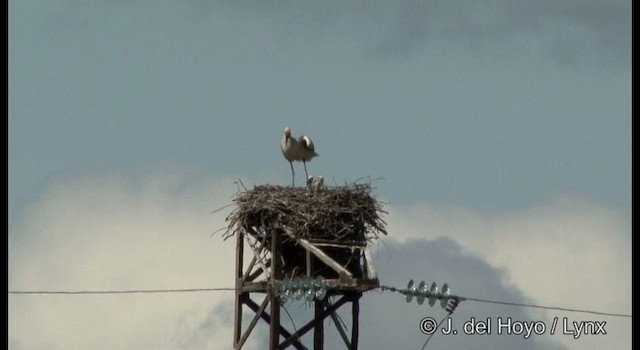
(239, 295)
(318, 332)
(274, 331)
(355, 312)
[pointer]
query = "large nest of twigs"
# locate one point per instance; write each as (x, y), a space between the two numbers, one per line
(342, 213)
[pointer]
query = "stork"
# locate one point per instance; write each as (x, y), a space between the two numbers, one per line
(297, 149)
(315, 182)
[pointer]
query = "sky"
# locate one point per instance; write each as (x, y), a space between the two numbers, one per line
(498, 135)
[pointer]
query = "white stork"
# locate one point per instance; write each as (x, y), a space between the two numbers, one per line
(315, 182)
(297, 149)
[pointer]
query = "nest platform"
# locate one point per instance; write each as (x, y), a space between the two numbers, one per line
(334, 224)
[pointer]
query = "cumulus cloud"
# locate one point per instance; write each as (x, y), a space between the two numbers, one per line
(115, 232)
(442, 260)
(569, 252)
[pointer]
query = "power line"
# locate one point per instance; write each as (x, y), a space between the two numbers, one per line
(134, 291)
(548, 307)
(424, 346)
(196, 290)
(557, 308)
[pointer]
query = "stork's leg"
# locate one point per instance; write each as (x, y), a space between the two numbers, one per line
(305, 170)
(293, 175)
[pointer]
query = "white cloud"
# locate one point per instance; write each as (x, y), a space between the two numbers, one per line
(442, 260)
(113, 232)
(568, 253)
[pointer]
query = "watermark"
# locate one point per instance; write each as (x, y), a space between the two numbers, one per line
(509, 326)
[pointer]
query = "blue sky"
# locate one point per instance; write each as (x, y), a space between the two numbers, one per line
(495, 126)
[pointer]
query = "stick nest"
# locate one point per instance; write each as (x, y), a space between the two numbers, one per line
(342, 213)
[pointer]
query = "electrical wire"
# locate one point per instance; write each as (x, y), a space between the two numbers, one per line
(437, 327)
(295, 329)
(557, 308)
(134, 291)
(383, 288)
(548, 307)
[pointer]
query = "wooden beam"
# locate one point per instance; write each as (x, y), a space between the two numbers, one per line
(248, 274)
(256, 253)
(313, 323)
(371, 270)
(326, 259)
(256, 273)
(296, 343)
(321, 255)
(251, 264)
(339, 244)
(253, 322)
(259, 271)
(251, 287)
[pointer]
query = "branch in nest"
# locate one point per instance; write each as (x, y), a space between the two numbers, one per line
(342, 213)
